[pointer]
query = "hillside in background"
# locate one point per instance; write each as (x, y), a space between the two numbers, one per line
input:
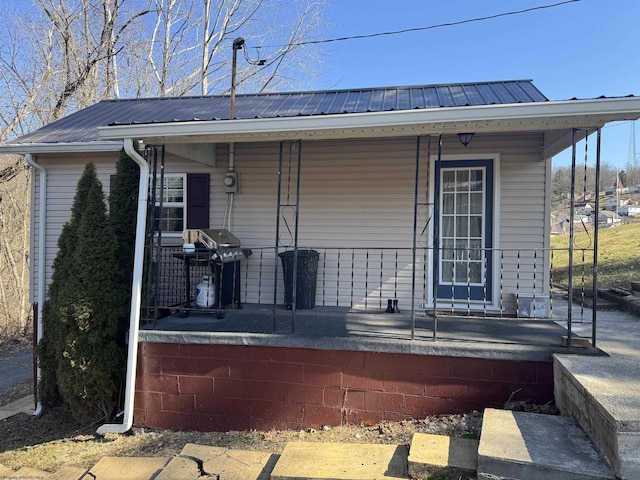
(618, 257)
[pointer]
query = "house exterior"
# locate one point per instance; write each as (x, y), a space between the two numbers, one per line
(607, 218)
(380, 184)
(629, 210)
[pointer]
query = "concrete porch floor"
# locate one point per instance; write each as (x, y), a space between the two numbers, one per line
(498, 338)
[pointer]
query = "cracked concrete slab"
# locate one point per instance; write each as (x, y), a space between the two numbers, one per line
(126, 468)
(430, 454)
(338, 461)
(201, 461)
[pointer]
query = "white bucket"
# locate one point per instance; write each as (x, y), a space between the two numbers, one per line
(205, 293)
(533, 306)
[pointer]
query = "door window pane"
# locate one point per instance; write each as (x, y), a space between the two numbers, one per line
(462, 225)
(448, 204)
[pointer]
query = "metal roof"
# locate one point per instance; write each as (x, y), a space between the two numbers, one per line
(82, 125)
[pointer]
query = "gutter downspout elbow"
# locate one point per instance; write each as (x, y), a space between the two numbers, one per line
(136, 295)
(42, 232)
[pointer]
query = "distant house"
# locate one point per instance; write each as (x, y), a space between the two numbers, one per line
(559, 225)
(629, 210)
(614, 203)
(607, 218)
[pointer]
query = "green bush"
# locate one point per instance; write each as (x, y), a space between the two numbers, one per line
(123, 206)
(80, 353)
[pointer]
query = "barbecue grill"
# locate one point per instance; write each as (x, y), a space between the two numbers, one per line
(224, 246)
(220, 249)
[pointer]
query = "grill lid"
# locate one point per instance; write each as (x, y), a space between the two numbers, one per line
(213, 239)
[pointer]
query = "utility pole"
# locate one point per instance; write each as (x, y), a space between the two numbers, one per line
(237, 45)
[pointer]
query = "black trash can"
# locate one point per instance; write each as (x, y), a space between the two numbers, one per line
(307, 274)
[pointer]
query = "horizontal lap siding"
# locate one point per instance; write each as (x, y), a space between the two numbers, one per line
(353, 194)
(63, 174)
(524, 221)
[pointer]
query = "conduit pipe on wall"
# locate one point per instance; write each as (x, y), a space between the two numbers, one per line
(42, 232)
(136, 295)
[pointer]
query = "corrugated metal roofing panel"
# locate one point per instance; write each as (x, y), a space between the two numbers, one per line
(82, 126)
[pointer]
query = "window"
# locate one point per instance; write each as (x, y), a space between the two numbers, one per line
(185, 202)
(173, 197)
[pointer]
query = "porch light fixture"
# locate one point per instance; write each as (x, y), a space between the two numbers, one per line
(465, 138)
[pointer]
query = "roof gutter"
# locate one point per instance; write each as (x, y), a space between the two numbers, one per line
(136, 295)
(592, 113)
(42, 232)
(68, 147)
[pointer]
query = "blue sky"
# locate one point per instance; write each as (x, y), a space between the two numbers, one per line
(583, 49)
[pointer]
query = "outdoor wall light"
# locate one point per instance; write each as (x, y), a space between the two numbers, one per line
(465, 138)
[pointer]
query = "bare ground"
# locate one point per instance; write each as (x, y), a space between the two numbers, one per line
(54, 440)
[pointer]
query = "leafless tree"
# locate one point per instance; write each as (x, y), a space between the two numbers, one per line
(15, 311)
(63, 55)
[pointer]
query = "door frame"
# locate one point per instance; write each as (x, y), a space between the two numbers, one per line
(493, 303)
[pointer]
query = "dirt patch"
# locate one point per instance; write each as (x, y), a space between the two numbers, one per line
(54, 440)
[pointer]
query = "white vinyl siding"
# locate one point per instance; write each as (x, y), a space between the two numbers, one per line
(356, 197)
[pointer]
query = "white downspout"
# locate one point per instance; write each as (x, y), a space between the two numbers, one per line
(42, 232)
(136, 296)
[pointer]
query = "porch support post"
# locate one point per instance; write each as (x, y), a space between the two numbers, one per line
(436, 243)
(571, 234)
(275, 275)
(413, 251)
(596, 227)
(295, 242)
(158, 233)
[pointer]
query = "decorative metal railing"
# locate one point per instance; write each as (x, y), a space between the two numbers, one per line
(497, 283)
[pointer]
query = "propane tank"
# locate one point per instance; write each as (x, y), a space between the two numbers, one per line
(205, 293)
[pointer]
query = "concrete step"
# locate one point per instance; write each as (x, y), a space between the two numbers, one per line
(531, 446)
(5, 471)
(23, 405)
(438, 454)
(199, 461)
(68, 473)
(602, 395)
(338, 461)
(27, 472)
(126, 468)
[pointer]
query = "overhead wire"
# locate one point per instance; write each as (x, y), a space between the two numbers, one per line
(418, 29)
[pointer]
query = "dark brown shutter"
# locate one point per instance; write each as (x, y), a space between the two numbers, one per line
(198, 200)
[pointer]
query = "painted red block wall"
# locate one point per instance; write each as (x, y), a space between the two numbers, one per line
(228, 387)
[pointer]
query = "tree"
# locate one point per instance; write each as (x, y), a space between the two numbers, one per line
(15, 310)
(82, 363)
(90, 50)
(123, 203)
(623, 179)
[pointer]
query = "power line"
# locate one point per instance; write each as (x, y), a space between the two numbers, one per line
(429, 27)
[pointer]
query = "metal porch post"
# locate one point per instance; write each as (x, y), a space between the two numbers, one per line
(571, 234)
(295, 234)
(596, 227)
(413, 251)
(436, 242)
(275, 275)
(295, 241)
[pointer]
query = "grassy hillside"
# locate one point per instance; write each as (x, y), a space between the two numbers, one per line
(618, 257)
